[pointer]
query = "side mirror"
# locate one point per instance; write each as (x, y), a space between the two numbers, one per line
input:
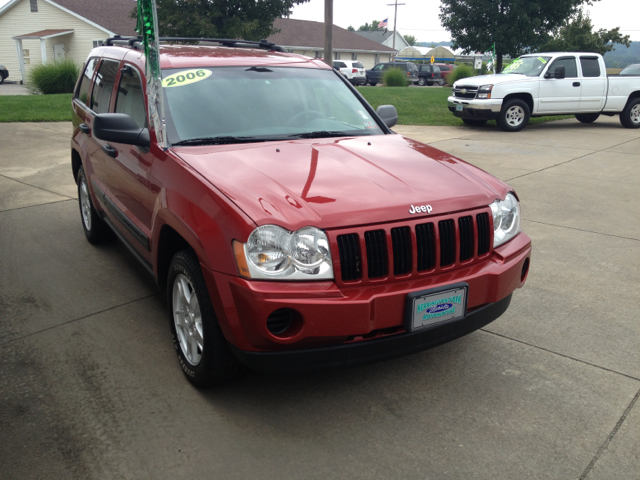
(559, 73)
(120, 128)
(388, 114)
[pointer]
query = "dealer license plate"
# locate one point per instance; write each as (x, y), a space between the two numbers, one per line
(458, 108)
(438, 307)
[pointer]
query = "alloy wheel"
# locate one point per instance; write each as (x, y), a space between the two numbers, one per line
(515, 116)
(187, 319)
(85, 204)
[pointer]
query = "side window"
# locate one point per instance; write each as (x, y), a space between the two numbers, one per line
(105, 79)
(85, 83)
(130, 99)
(570, 68)
(378, 67)
(339, 65)
(590, 66)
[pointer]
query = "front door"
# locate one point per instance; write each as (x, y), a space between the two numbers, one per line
(561, 95)
(58, 52)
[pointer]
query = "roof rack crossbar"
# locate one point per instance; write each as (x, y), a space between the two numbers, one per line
(228, 42)
(129, 40)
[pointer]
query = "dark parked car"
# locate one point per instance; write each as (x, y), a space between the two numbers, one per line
(428, 75)
(374, 76)
(445, 70)
(4, 73)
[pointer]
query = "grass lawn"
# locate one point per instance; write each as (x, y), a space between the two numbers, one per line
(35, 108)
(422, 105)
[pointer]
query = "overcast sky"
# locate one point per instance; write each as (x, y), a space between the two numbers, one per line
(420, 17)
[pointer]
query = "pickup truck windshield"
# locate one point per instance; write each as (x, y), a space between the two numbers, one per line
(529, 66)
(244, 104)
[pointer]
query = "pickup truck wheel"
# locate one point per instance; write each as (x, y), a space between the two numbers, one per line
(474, 123)
(630, 116)
(587, 117)
(422, 81)
(514, 115)
(202, 350)
(94, 227)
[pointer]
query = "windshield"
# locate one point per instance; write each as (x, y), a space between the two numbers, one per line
(241, 104)
(529, 66)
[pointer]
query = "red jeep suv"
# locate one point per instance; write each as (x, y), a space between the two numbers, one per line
(289, 226)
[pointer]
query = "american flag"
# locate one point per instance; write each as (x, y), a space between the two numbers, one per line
(383, 23)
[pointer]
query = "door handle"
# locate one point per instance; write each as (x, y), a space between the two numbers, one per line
(576, 84)
(84, 129)
(109, 150)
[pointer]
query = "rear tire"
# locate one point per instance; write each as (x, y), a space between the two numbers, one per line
(514, 115)
(422, 81)
(587, 117)
(373, 84)
(441, 82)
(203, 352)
(630, 116)
(474, 123)
(95, 229)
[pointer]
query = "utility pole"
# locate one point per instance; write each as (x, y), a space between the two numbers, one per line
(395, 18)
(328, 32)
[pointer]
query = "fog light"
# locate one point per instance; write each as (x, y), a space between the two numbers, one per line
(525, 271)
(284, 322)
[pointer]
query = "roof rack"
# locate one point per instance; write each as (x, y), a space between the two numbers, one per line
(228, 42)
(134, 42)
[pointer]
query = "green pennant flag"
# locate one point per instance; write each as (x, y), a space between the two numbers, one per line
(147, 27)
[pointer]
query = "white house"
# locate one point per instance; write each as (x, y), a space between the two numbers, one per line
(40, 31)
(385, 37)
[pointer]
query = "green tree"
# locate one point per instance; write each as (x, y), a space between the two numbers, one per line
(351, 29)
(373, 27)
(515, 26)
(411, 40)
(577, 35)
(242, 19)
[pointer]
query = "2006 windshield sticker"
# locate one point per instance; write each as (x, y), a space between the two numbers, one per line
(186, 77)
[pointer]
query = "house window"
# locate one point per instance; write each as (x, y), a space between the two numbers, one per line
(34, 5)
(354, 56)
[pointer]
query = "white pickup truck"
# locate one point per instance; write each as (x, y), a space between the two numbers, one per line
(544, 84)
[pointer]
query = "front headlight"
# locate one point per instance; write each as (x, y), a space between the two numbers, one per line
(506, 219)
(484, 91)
(273, 253)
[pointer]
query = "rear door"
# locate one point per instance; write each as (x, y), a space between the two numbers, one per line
(594, 84)
(561, 95)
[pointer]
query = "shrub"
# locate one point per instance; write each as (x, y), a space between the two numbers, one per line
(394, 77)
(463, 71)
(56, 77)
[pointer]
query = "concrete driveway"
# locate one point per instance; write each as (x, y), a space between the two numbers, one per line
(90, 387)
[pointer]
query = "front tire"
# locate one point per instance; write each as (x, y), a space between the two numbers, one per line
(373, 84)
(587, 117)
(630, 116)
(94, 227)
(203, 352)
(514, 115)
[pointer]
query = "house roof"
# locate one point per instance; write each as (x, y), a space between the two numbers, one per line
(377, 35)
(112, 16)
(45, 34)
(305, 33)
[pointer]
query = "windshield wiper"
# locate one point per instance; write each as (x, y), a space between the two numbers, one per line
(217, 140)
(320, 134)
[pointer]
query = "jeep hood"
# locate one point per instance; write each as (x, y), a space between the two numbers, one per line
(331, 183)
(496, 79)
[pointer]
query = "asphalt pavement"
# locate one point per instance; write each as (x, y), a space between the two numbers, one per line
(90, 386)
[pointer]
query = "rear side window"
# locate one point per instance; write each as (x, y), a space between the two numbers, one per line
(436, 69)
(339, 65)
(358, 65)
(85, 82)
(105, 79)
(130, 99)
(590, 66)
(570, 68)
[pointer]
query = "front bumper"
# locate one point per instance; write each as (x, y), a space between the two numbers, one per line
(475, 109)
(340, 320)
(371, 351)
